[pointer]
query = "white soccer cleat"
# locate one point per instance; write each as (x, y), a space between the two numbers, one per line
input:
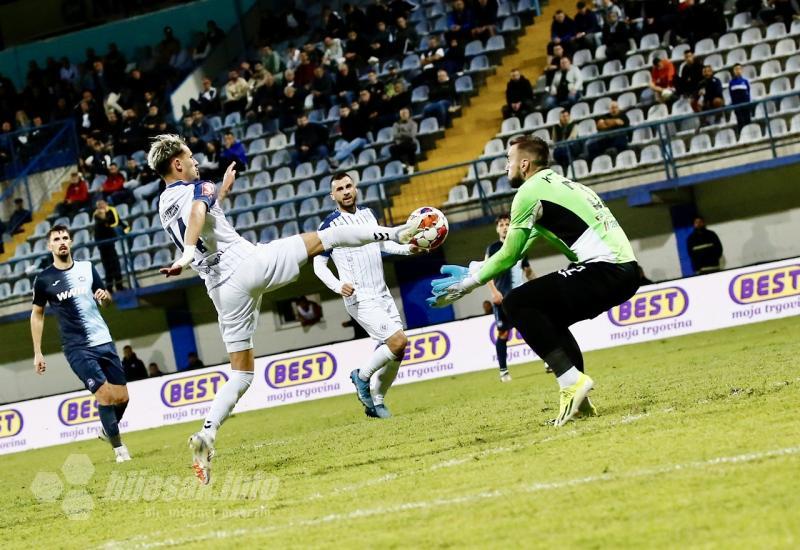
(505, 376)
(121, 453)
(202, 452)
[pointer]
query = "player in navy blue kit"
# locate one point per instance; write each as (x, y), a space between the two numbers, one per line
(74, 290)
(501, 285)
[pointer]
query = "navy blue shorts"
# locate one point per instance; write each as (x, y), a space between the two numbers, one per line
(96, 365)
(500, 319)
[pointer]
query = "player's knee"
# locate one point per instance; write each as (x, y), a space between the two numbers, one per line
(397, 343)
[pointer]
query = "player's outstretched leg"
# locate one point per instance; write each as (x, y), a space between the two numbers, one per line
(379, 384)
(358, 235)
(202, 443)
(383, 366)
(501, 348)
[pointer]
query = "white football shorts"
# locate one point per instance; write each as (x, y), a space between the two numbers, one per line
(378, 316)
(238, 299)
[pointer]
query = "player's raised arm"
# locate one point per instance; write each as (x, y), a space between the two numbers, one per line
(227, 183)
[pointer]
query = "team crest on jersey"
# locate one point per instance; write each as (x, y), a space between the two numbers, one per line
(208, 189)
(82, 279)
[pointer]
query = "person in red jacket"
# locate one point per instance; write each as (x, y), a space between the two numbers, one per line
(77, 196)
(114, 187)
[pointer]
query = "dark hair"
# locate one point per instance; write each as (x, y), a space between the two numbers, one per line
(534, 146)
(737, 65)
(340, 175)
(501, 217)
(581, 5)
(57, 228)
(690, 50)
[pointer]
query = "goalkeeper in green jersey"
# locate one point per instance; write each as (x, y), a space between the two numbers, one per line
(603, 271)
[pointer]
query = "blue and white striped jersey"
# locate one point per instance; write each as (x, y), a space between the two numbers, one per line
(70, 293)
(362, 266)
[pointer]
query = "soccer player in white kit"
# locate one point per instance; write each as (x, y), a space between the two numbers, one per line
(366, 297)
(190, 213)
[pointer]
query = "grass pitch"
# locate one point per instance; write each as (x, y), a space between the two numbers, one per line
(697, 445)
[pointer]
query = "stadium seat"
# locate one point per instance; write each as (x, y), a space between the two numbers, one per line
(282, 175)
(627, 100)
(253, 131)
(760, 52)
(81, 220)
(493, 148)
(678, 148)
(142, 262)
(394, 169)
(21, 288)
(457, 195)
(734, 56)
(495, 43)
(741, 21)
(242, 183)
(464, 84)
(306, 188)
(651, 154)
(780, 86)
(140, 243)
(586, 127)
(612, 67)
(124, 211)
(625, 160)
(776, 30)
(257, 147)
(309, 206)
(634, 62)
(287, 211)
(250, 236)
(411, 63)
(601, 165)
(428, 126)
(385, 135)
(649, 42)
(750, 36)
(284, 192)
(245, 220)
(588, 72)
(581, 57)
(595, 88)
(579, 110)
(419, 94)
(657, 112)
(269, 233)
(289, 229)
(479, 63)
(40, 246)
(277, 142)
(280, 158)
(498, 166)
(5, 291)
(790, 104)
(777, 127)
(371, 173)
(750, 133)
(618, 84)
(510, 24)
(757, 90)
(553, 115)
(533, 120)
(214, 121)
(715, 60)
(266, 215)
(600, 53)
(232, 119)
(785, 47)
(483, 189)
(794, 30)
(473, 48)
(311, 224)
(510, 125)
(700, 143)
(557, 169)
(724, 139)
(704, 47)
(367, 156)
(303, 170)
(242, 201)
(578, 169)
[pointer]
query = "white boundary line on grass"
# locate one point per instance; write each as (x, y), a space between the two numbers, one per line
(473, 497)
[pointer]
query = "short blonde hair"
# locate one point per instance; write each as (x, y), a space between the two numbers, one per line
(164, 148)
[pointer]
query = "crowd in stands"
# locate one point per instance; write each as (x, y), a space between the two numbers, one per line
(616, 27)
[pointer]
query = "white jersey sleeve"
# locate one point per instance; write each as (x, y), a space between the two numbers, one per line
(220, 248)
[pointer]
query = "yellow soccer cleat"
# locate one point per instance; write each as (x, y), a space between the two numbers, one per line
(586, 408)
(571, 399)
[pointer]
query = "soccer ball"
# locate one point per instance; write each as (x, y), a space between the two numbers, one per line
(432, 227)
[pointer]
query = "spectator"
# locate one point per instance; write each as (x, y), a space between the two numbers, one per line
(308, 312)
(332, 23)
(106, 225)
(201, 127)
(567, 86)
(459, 21)
(291, 58)
(291, 106)
(404, 144)
(485, 19)
(431, 60)
(608, 7)
(454, 57)
(233, 151)
(214, 35)
(76, 197)
(404, 39)
(353, 130)
(739, 88)
(304, 73)
(235, 93)
(616, 36)
(374, 110)
(553, 64)
(322, 88)
(311, 141)
(208, 101)
(562, 31)
(586, 26)
(400, 97)
(19, 217)
(333, 55)
(153, 370)
(113, 189)
(709, 94)
(661, 86)
(88, 118)
(379, 42)
(705, 248)
(132, 137)
(565, 130)
(441, 99)
(487, 307)
(142, 180)
(690, 74)
(272, 61)
(210, 168)
(519, 96)
(266, 104)
(615, 119)
(98, 159)
(132, 365)
(401, 8)
(356, 49)
(346, 84)
(193, 361)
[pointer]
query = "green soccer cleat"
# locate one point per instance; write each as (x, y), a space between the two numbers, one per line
(571, 399)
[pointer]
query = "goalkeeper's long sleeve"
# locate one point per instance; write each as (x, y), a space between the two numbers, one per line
(517, 242)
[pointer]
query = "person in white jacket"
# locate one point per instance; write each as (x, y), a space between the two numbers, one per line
(362, 285)
(567, 86)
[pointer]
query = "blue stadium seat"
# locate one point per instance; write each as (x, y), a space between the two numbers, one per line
(289, 229)
(306, 187)
(473, 48)
(464, 85)
(428, 126)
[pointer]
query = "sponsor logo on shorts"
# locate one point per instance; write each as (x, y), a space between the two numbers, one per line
(650, 305)
(426, 346)
(514, 337)
(196, 388)
(766, 284)
(10, 422)
(78, 410)
(300, 369)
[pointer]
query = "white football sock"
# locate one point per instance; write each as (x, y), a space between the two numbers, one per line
(356, 235)
(226, 400)
(379, 359)
(569, 377)
(382, 380)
